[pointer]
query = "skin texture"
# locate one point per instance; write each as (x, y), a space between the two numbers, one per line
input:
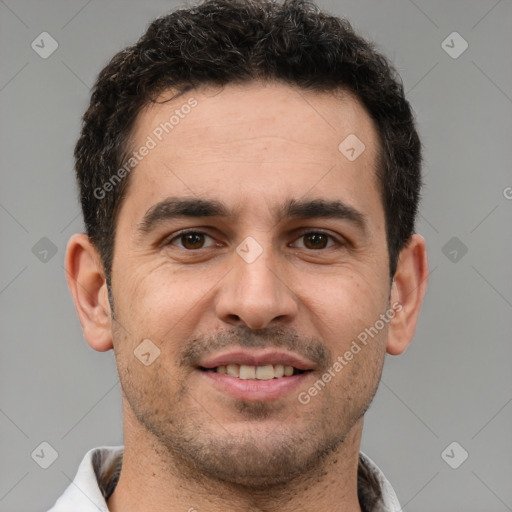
(187, 444)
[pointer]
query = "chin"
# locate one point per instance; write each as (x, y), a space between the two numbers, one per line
(257, 458)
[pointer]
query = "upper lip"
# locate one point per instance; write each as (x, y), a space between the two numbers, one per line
(257, 358)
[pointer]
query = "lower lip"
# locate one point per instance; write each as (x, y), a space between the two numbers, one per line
(255, 389)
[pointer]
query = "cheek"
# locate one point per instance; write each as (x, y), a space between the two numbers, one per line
(345, 303)
(162, 303)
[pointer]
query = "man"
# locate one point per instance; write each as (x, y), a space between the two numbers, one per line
(249, 174)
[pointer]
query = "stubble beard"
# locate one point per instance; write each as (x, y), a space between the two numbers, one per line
(255, 455)
(258, 453)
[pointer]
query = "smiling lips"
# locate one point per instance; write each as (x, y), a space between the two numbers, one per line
(246, 372)
(256, 375)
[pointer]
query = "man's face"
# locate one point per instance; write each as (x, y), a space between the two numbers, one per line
(257, 287)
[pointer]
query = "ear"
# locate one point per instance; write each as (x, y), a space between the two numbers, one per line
(407, 292)
(86, 280)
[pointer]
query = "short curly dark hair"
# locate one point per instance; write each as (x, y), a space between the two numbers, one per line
(218, 42)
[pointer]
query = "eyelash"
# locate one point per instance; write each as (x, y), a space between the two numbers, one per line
(302, 234)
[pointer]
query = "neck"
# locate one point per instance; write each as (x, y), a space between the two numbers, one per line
(153, 480)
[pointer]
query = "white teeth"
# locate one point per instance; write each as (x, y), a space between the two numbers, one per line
(233, 370)
(278, 371)
(246, 372)
(265, 372)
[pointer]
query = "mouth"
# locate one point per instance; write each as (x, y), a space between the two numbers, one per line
(249, 372)
(260, 376)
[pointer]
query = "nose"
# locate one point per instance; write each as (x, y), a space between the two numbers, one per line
(256, 293)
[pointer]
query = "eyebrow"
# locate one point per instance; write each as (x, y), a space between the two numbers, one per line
(184, 207)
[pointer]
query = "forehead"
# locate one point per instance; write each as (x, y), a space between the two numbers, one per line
(258, 140)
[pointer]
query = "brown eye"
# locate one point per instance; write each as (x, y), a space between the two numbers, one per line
(190, 240)
(316, 240)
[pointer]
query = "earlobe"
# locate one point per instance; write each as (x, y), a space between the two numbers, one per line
(86, 281)
(407, 292)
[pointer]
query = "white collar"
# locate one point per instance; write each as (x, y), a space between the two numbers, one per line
(99, 470)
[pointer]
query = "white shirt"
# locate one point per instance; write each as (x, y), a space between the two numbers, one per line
(99, 471)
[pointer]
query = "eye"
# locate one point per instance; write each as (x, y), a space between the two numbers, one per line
(316, 240)
(190, 240)
(195, 240)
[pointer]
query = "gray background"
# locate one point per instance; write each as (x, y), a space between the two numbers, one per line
(454, 382)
